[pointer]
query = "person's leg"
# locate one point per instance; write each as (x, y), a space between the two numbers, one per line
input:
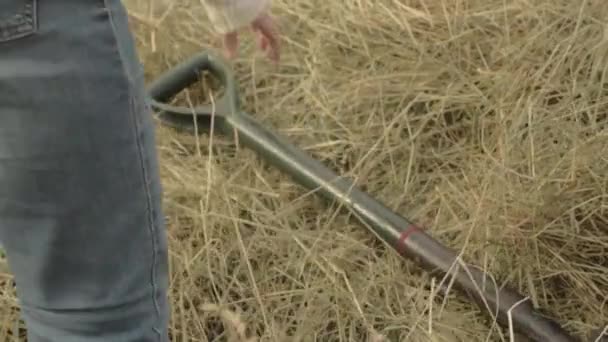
(80, 196)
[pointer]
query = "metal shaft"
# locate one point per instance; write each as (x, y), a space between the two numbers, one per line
(398, 232)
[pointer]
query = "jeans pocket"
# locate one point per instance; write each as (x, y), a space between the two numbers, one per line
(18, 19)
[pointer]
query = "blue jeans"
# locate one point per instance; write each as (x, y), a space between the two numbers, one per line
(80, 196)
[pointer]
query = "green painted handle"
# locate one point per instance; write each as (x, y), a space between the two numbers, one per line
(172, 82)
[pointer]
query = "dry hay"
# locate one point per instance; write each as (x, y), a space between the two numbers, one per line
(483, 120)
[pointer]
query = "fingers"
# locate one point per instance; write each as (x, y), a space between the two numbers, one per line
(268, 38)
(231, 43)
(263, 42)
(271, 46)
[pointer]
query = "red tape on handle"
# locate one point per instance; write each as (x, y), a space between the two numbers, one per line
(405, 234)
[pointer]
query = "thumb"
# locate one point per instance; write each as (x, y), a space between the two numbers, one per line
(231, 43)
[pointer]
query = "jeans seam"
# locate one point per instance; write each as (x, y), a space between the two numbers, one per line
(151, 220)
(21, 25)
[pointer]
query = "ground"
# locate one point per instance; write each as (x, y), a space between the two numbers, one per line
(483, 120)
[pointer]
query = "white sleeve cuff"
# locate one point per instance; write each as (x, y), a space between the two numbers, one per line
(231, 15)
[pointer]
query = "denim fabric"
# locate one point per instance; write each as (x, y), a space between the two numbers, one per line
(80, 196)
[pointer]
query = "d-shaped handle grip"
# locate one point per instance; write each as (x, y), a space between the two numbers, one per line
(173, 81)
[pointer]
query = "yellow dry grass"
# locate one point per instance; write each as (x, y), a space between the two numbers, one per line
(485, 120)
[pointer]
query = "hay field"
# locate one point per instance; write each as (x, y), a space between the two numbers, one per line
(483, 120)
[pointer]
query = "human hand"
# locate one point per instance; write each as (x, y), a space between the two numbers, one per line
(265, 29)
